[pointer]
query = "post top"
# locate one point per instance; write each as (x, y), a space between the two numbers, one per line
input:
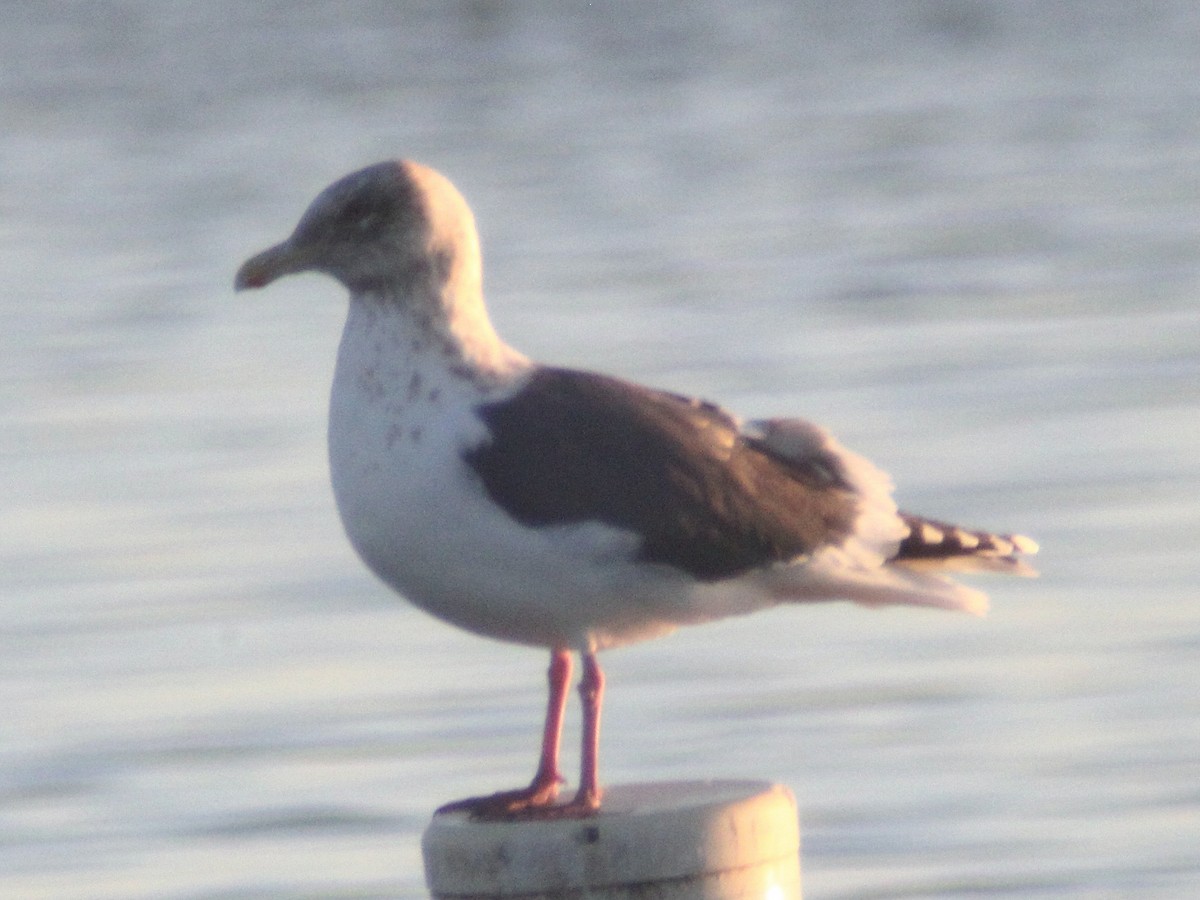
(679, 833)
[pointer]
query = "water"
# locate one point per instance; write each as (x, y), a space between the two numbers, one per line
(963, 235)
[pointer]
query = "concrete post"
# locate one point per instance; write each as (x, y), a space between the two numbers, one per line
(716, 840)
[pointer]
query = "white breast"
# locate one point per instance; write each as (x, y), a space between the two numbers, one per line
(400, 419)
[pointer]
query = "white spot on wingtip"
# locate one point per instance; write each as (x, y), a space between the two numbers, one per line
(1024, 544)
(964, 539)
(930, 535)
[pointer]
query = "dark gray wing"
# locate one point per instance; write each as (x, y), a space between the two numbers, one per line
(574, 447)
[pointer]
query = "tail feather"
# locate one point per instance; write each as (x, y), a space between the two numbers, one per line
(891, 557)
(915, 574)
(829, 575)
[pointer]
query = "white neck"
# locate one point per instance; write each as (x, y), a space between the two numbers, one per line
(445, 325)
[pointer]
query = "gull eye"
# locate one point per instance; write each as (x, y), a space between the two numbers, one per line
(361, 216)
(367, 221)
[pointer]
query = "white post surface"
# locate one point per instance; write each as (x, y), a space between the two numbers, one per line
(716, 840)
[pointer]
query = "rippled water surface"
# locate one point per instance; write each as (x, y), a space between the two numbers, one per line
(963, 235)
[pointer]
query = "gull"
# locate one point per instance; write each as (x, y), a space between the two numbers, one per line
(566, 509)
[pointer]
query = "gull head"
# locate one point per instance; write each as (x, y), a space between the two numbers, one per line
(396, 228)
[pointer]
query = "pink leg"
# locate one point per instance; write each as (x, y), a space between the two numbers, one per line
(548, 777)
(591, 692)
(543, 790)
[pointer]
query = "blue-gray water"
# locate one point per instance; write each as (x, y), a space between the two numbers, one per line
(964, 235)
